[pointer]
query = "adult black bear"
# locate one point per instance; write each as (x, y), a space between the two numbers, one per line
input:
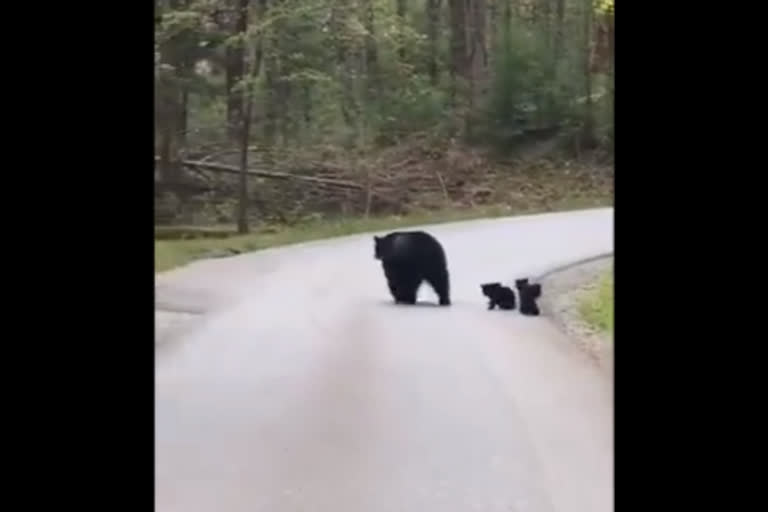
(410, 257)
(498, 295)
(528, 294)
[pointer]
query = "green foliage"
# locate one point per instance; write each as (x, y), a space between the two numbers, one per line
(596, 306)
(336, 78)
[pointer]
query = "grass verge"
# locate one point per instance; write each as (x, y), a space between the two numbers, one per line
(175, 253)
(597, 305)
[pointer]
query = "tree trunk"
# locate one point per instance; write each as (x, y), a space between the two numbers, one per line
(493, 26)
(611, 76)
(271, 94)
(371, 51)
(245, 132)
(507, 23)
(477, 60)
(588, 136)
(458, 65)
(345, 62)
(433, 23)
(548, 104)
(270, 98)
(184, 73)
(401, 17)
(557, 47)
(245, 123)
(183, 116)
(171, 53)
(234, 73)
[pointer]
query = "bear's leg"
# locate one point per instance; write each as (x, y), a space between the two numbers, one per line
(403, 283)
(529, 307)
(394, 291)
(441, 284)
(408, 287)
(407, 284)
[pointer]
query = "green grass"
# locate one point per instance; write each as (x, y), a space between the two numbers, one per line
(175, 253)
(597, 305)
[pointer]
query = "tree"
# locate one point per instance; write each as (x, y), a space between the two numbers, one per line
(246, 107)
(433, 25)
(588, 135)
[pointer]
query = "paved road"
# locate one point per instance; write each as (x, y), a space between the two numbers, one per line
(305, 389)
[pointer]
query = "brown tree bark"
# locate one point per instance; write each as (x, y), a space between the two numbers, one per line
(168, 104)
(458, 63)
(371, 50)
(234, 71)
(557, 46)
(401, 16)
(588, 134)
(433, 24)
(477, 58)
(345, 61)
(245, 123)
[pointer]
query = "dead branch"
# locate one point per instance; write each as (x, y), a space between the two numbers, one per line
(442, 186)
(231, 169)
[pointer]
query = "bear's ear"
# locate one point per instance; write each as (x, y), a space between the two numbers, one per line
(376, 239)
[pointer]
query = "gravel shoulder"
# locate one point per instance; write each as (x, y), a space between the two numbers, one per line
(561, 297)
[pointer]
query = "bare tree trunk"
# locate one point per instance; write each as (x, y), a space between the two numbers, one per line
(401, 16)
(271, 94)
(458, 66)
(183, 116)
(185, 72)
(611, 55)
(345, 62)
(549, 99)
(167, 166)
(168, 106)
(507, 22)
(588, 136)
(245, 124)
(433, 23)
(493, 26)
(557, 47)
(369, 20)
(234, 74)
(371, 51)
(478, 59)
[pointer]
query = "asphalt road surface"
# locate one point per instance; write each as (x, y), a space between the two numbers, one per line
(304, 388)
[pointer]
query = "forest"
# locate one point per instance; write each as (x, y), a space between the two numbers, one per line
(282, 112)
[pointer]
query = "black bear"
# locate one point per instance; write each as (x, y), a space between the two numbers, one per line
(528, 294)
(498, 295)
(410, 257)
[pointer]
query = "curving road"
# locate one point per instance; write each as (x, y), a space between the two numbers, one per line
(304, 388)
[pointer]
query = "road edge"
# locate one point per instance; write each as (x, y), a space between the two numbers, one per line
(562, 289)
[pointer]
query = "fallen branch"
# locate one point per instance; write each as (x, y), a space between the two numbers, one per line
(231, 169)
(442, 186)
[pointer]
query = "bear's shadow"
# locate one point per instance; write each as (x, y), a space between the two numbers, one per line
(419, 304)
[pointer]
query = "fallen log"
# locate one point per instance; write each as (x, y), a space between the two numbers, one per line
(231, 169)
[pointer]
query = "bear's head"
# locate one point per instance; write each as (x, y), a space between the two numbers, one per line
(532, 291)
(381, 247)
(521, 283)
(490, 289)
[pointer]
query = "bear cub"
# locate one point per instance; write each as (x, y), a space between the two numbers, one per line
(410, 257)
(528, 294)
(498, 295)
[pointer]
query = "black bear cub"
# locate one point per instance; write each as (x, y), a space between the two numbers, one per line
(528, 294)
(408, 258)
(499, 295)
